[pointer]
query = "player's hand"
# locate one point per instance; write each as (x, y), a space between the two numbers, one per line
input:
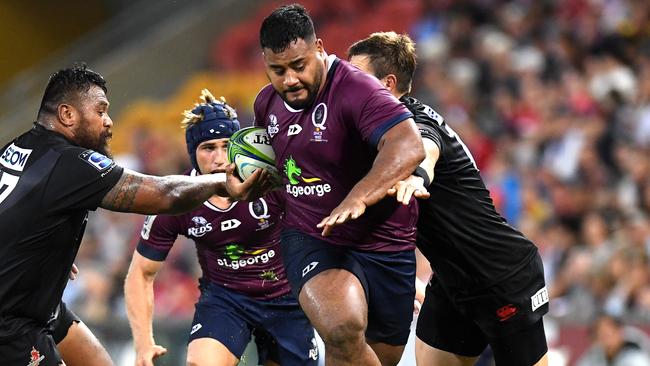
(420, 291)
(349, 209)
(258, 184)
(146, 356)
(73, 272)
(405, 189)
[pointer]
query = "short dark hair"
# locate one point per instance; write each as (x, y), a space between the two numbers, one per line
(285, 25)
(389, 53)
(69, 83)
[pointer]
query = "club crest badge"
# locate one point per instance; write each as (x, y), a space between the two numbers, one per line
(318, 119)
(259, 209)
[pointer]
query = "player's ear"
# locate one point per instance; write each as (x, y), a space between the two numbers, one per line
(319, 45)
(390, 81)
(68, 114)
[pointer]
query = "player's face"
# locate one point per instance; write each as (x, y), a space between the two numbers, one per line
(93, 130)
(297, 72)
(212, 156)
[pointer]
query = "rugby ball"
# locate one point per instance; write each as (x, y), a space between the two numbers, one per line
(250, 149)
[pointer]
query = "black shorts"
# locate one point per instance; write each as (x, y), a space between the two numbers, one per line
(39, 343)
(62, 322)
(388, 279)
(507, 316)
(36, 347)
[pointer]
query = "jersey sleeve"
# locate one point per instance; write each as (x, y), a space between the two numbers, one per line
(158, 236)
(429, 132)
(426, 119)
(81, 180)
(371, 107)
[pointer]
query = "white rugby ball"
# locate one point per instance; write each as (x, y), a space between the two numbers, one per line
(250, 149)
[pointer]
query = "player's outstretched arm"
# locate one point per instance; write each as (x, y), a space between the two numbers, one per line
(400, 152)
(139, 297)
(416, 185)
(173, 194)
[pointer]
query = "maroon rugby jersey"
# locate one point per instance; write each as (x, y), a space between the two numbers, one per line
(238, 247)
(323, 151)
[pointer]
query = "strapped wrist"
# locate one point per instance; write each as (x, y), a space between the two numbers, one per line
(422, 173)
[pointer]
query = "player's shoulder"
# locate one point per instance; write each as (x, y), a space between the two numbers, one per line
(422, 112)
(265, 95)
(83, 158)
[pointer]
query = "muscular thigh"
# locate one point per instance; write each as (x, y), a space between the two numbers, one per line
(77, 344)
(209, 352)
(80, 347)
(333, 298)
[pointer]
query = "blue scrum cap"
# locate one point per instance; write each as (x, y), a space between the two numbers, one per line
(211, 119)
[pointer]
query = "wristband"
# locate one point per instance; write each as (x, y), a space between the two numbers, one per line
(422, 173)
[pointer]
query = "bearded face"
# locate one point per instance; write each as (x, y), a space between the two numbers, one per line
(93, 130)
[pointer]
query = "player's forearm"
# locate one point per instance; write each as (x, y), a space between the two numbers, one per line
(138, 293)
(400, 152)
(186, 193)
(432, 153)
(146, 194)
(426, 169)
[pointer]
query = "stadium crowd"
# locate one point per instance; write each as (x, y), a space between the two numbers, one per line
(551, 97)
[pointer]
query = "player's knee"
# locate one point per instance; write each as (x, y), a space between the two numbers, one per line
(344, 332)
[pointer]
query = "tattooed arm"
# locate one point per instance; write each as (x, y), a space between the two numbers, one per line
(173, 194)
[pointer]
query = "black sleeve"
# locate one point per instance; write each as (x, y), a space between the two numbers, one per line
(429, 132)
(427, 120)
(80, 180)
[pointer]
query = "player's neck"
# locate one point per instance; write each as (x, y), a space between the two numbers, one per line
(54, 127)
(220, 202)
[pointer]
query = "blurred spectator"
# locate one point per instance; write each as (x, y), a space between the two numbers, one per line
(616, 345)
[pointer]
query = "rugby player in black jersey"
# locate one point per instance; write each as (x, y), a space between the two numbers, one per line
(488, 283)
(50, 177)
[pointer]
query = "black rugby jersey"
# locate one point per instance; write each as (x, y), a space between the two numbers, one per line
(470, 246)
(47, 186)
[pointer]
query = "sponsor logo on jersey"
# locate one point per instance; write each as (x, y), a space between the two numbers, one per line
(506, 312)
(230, 224)
(294, 130)
(309, 268)
(313, 351)
(260, 211)
(273, 127)
(433, 114)
(318, 119)
(35, 357)
(540, 298)
(146, 227)
(294, 174)
(99, 161)
(195, 328)
(237, 257)
(15, 158)
(201, 227)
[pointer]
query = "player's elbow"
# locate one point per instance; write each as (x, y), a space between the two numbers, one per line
(415, 154)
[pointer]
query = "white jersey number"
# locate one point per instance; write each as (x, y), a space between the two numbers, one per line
(7, 184)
